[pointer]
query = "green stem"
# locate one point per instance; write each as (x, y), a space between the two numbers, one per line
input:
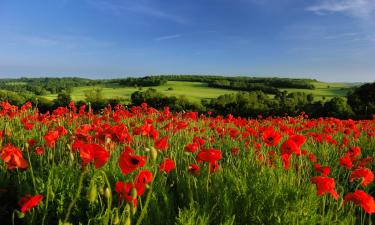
(71, 205)
(31, 171)
(148, 198)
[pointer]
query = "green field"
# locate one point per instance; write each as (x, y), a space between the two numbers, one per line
(196, 91)
(324, 89)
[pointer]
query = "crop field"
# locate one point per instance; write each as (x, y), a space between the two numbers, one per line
(144, 166)
(196, 91)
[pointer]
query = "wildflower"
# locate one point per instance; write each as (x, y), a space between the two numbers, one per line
(363, 199)
(12, 156)
(366, 174)
(325, 185)
(28, 202)
(271, 137)
(162, 143)
(167, 165)
(129, 162)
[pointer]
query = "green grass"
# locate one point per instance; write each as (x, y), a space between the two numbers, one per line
(324, 89)
(194, 91)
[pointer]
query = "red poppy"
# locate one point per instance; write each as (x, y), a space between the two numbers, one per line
(144, 177)
(233, 132)
(290, 147)
(93, 152)
(363, 199)
(28, 202)
(12, 156)
(325, 185)
(324, 170)
(167, 165)
(121, 133)
(366, 174)
(129, 162)
(346, 162)
(286, 160)
(51, 138)
(209, 155)
(62, 130)
(191, 147)
(214, 167)
(124, 191)
(271, 137)
(194, 169)
(162, 143)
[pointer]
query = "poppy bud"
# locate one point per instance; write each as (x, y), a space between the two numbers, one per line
(20, 215)
(93, 194)
(69, 147)
(128, 221)
(154, 154)
(116, 219)
(107, 140)
(133, 193)
(27, 146)
(107, 193)
(71, 155)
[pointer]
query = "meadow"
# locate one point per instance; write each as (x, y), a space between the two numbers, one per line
(196, 91)
(144, 166)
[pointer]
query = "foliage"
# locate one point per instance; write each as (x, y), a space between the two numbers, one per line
(362, 100)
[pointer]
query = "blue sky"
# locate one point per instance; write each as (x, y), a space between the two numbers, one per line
(330, 40)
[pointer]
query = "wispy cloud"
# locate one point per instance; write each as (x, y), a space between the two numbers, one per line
(356, 8)
(139, 7)
(67, 41)
(168, 37)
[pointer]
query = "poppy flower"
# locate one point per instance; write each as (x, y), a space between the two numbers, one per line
(162, 143)
(28, 202)
(209, 155)
(286, 160)
(363, 199)
(144, 177)
(194, 169)
(324, 170)
(271, 137)
(51, 138)
(290, 147)
(325, 185)
(366, 174)
(121, 133)
(214, 167)
(167, 165)
(124, 190)
(129, 162)
(93, 152)
(191, 147)
(346, 162)
(13, 157)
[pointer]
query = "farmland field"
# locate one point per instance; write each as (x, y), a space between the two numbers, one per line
(145, 166)
(196, 91)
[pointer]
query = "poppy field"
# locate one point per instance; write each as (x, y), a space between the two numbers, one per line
(139, 165)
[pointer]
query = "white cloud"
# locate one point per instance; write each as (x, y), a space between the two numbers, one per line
(168, 37)
(139, 7)
(355, 8)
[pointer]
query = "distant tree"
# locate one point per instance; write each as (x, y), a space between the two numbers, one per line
(94, 95)
(338, 107)
(362, 100)
(63, 99)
